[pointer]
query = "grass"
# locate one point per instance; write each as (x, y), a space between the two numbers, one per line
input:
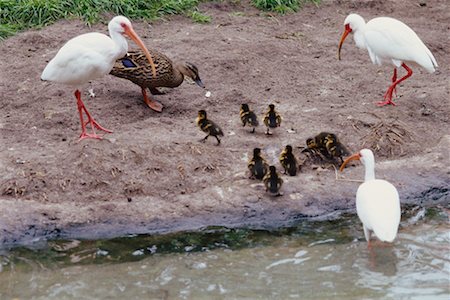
(16, 15)
(281, 6)
(198, 17)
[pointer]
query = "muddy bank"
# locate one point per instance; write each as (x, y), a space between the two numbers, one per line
(421, 180)
(152, 175)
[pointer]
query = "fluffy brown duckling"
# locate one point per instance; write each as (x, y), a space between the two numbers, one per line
(257, 165)
(248, 117)
(272, 118)
(335, 148)
(288, 161)
(273, 182)
(208, 126)
(317, 145)
(310, 147)
(136, 68)
(326, 145)
(320, 140)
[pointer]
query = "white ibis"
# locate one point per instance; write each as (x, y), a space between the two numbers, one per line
(89, 56)
(377, 201)
(389, 40)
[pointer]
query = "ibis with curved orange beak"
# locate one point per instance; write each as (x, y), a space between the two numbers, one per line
(377, 201)
(90, 56)
(389, 40)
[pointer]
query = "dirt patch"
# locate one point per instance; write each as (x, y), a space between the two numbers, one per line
(153, 175)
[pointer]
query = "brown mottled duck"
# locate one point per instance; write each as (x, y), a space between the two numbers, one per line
(135, 67)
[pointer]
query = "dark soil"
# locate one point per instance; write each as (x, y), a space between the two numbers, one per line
(153, 175)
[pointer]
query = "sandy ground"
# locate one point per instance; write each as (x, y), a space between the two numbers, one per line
(153, 175)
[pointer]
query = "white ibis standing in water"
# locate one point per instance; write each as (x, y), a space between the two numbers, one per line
(377, 201)
(389, 40)
(89, 56)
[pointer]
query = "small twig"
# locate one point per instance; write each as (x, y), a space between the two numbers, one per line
(336, 172)
(273, 18)
(220, 172)
(344, 179)
(194, 149)
(181, 171)
(351, 180)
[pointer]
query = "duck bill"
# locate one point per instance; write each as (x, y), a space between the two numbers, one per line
(355, 156)
(133, 35)
(343, 37)
(199, 82)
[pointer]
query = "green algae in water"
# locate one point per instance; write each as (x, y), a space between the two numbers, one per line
(60, 253)
(136, 247)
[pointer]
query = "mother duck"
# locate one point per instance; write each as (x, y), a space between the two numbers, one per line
(136, 68)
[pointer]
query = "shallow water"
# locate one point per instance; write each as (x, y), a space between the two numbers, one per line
(319, 260)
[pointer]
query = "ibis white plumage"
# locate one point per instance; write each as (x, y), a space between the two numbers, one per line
(89, 56)
(389, 40)
(377, 201)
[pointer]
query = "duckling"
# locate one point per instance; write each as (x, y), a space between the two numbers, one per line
(271, 119)
(316, 145)
(136, 68)
(288, 161)
(326, 145)
(320, 140)
(208, 126)
(335, 148)
(257, 165)
(248, 117)
(273, 182)
(310, 146)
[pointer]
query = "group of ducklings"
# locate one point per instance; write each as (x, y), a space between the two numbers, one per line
(325, 145)
(260, 169)
(136, 68)
(271, 118)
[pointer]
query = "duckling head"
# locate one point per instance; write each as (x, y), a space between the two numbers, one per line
(331, 137)
(310, 143)
(245, 107)
(190, 70)
(271, 107)
(288, 149)
(272, 170)
(256, 152)
(202, 114)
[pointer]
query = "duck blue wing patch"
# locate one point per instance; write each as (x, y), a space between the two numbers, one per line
(128, 63)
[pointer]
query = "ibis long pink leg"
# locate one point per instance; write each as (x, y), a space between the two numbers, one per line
(390, 90)
(94, 124)
(394, 79)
